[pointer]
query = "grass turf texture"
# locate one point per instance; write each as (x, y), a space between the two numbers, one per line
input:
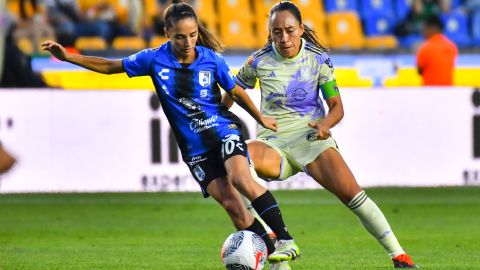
(439, 227)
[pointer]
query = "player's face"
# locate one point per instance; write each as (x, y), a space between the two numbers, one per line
(183, 35)
(286, 32)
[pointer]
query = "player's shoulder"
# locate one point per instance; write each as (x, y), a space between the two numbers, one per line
(259, 54)
(209, 53)
(318, 53)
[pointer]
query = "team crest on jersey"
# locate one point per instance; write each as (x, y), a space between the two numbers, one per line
(199, 173)
(205, 78)
(304, 73)
(312, 136)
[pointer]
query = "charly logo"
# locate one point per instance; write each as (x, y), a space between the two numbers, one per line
(163, 73)
(205, 78)
(198, 125)
(299, 94)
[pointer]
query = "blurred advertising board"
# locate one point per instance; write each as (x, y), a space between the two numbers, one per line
(98, 141)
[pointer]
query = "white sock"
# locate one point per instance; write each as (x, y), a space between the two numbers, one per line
(375, 222)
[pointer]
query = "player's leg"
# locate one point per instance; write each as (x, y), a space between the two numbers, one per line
(6, 160)
(209, 172)
(330, 170)
(234, 154)
(266, 160)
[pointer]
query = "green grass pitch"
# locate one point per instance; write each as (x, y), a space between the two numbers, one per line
(439, 227)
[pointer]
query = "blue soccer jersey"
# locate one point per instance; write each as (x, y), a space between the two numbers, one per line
(190, 95)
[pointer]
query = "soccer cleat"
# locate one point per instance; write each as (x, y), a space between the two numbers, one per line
(273, 237)
(286, 250)
(280, 266)
(403, 261)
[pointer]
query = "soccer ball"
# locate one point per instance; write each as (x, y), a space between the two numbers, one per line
(244, 250)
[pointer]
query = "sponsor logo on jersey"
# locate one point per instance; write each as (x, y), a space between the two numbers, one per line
(199, 173)
(199, 125)
(232, 126)
(189, 104)
(165, 89)
(299, 94)
(205, 78)
(163, 73)
(271, 94)
(204, 93)
(196, 159)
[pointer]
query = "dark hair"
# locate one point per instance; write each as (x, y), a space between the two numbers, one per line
(308, 34)
(434, 21)
(179, 10)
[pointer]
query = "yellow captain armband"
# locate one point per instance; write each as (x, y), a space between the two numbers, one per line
(329, 90)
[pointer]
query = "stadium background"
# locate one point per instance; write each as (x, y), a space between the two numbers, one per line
(95, 133)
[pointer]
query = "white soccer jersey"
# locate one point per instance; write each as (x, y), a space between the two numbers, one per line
(290, 87)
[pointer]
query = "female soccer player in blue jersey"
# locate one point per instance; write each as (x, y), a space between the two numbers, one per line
(293, 69)
(187, 72)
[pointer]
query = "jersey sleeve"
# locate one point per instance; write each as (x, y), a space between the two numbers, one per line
(327, 81)
(224, 75)
(246, 76)
(139, 64)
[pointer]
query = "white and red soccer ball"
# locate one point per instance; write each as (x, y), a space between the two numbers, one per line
(244, 250)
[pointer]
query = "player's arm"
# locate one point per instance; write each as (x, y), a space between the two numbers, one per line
(332, 97)
(239, 95)
(97, 64)
(227, 100)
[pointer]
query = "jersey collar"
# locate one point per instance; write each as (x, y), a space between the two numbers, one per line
(175, 62)
(293, 59)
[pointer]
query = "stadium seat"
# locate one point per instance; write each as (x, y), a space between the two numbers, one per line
(313, 15)
(368, 7)
(237, 33)
(207, 14)
(128, 43)
(476, 28)
(402, 8)
(340, 5)
(381, 42)
(234, 8)
(376, 24)
(157, 41)
(410, 41)
(345, 30)
(150, 9)
(25, 45)
(90, 43)
(236, 28)
(456, 28)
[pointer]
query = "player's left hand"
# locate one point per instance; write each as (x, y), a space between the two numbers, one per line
(269, 122)
(323, 131)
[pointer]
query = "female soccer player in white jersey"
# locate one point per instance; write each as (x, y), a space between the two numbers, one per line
(293, 69)
(186, 72)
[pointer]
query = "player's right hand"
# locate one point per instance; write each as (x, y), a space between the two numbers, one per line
(55, 49)
(269, 122)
